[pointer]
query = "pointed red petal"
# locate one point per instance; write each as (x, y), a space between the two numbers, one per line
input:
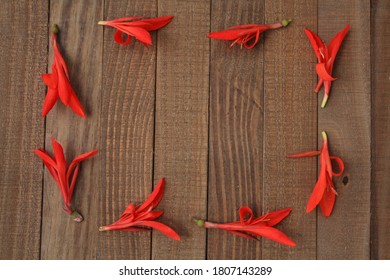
(50, 100)
(154, 198)
(315, 42)
(242, 234)
(273, 218)
(79, 159)
(328, 199)
(160, 227)
(123, 19)
(322, 72)
(50, 80)
(133, 229)
(225, 34)
(155, 23)
(305, 154)
(118, 38)
(318, 190)
(151, 215)
(139, 33)
(45, 158)
(75, 105)
(335, 44)
(272, 234)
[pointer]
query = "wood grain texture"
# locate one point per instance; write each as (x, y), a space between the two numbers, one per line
(80, 41)
(61, 237)
(128, 95)
(346, 119)
(181, 141)
(290, 125)
(23, 52)
(236, 130)
(380, 85)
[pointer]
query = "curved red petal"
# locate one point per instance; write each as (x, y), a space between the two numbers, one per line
(118, 38)
(315, 42)
(154, 23)
(245, 211)
(328, 200)
(79, 159)
(164, 229)
(242, 234)
(305, 154)
(273, 218)
(50, 100)
(322, 72)
(318, 190)
(340, 164)
(154, 198)
(75, 105)
(272, 234)
(335, 44)
(225, 34)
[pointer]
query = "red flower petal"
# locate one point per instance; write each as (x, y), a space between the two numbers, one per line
(305, 154)
(315, 42)
(340, 164)
(335, 44)
(328, 200)
(154, 198)
(225, 34)
(323, 73)
(155, 23)
(164, 229)
(273, 218)
(50, 100)
(79, 159)
(318, 190)
(272, 234)
(245, 211)
(242, 234)
(118, 38)
(75, 105)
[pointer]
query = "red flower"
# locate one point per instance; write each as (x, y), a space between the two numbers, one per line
(136, 27)
(244, 34)
(324, 192)
(136, 218)
(249, 227)
(326, 56)
(58, 83)
(65, 177)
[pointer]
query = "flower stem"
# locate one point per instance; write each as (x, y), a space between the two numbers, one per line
(102, 22)
(102, 229)
(324, 101)
(199, 222)
(55, 29)
(324, 136)
(76, 216)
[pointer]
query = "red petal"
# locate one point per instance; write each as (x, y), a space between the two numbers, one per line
(75, 105)
(139, 33)
(160, 227)
(335, 44)
(133, 229)
(319, 85)
(47, 160)
(245, 211)
(50, 99)
(254, 43)
(154, 198)
(151, 215)
(272, 234)
(328, 200)
(225, 34)
(318, 190)
(340, 164)
(273, 218)
(79, 159)
(154, 23)
(316, 42)
(322, 72)
(118, 38)
(50, 80)
(305, 154)
(239, 233)
(123, 19)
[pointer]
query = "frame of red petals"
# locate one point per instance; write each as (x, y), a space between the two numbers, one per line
(142, 217)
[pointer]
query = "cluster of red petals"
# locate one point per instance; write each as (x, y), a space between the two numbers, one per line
(249, 226)
(136, 27)
(326, 56)
(140, 218)
(324, 192)
(58, 83)
(244, 34)
(64, 176)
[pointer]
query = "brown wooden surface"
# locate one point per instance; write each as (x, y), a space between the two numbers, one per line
(216, 123)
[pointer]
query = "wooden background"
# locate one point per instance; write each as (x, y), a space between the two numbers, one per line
(217, 124)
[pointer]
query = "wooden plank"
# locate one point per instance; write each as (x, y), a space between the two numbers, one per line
(236, 130)
(23, 52)
(80, 40)
(346, 119)
(290, 125)
(127, 128)
(380, 69)
(181, 126)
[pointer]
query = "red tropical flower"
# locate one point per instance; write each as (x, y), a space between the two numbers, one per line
(245, 34)
(326, 56)
(140, 218)
(64, 176)
(58, 83)
(324, 192)
(249, 227)
(136, 27)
